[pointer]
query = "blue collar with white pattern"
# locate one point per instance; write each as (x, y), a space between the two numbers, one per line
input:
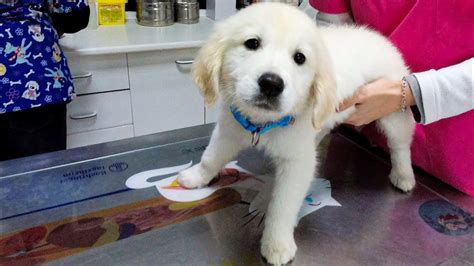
(258, 130)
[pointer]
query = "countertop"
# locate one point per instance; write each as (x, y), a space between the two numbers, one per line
(132, 37)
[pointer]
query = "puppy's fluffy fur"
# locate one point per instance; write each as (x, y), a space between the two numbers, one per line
(338, 61)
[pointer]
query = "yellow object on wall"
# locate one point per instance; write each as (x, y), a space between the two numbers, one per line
(111, 12)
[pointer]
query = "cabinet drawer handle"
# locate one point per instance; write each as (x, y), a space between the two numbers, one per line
(83, 116)
(83, 76)
(184, 62)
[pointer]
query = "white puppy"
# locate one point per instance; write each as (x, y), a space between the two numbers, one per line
(270, 63)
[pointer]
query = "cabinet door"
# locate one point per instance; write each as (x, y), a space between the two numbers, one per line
(99, 73)
(98, 111)
(99, 136)
(164, 97)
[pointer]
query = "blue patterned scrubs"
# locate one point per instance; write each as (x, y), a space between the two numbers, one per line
(33, 69)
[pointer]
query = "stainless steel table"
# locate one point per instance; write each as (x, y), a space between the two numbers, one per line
(72, 207)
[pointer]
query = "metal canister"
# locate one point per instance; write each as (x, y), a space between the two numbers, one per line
(187, 12)
(155, 13)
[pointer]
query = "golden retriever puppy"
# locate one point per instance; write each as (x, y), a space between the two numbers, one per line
(279, 79)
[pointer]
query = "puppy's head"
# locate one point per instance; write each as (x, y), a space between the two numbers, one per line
(269, 61)
(32, 85)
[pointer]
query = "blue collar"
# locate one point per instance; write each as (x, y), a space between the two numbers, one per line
(258, 130)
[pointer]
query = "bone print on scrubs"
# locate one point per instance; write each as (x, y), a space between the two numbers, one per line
(33, 69)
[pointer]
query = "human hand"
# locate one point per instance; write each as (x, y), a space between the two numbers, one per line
(375, 100)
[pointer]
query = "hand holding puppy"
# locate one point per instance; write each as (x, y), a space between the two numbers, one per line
(376, 100)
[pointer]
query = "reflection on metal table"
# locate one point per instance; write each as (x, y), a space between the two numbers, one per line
(73, 207)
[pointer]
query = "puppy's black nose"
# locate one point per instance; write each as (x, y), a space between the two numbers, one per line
(271, 85)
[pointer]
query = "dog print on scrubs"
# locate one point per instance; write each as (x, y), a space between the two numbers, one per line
(31, 92)
(34, 14)
(33, 69)
(58, 76)
(56, 53)
(18, 54)
(35, 32)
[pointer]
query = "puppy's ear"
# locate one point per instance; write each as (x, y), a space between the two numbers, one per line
(324, 90)
(207, 66)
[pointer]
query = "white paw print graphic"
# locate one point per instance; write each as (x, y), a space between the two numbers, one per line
(48, 49)
(5, 80)
(16, 109)
(48, 98)
(44, 62)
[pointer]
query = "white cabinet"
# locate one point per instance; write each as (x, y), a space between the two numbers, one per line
(102, 111)
(99, 111)
(99, 136)
(164, 97)
(99, 73)
(126, 95)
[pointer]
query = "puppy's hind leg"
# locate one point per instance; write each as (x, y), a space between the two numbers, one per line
(222, 148)
(398, 128)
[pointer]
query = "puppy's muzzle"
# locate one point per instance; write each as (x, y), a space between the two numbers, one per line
(271, 85)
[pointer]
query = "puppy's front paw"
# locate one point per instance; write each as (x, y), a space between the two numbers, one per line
(404, 181)
(194, 177)
(278, 248)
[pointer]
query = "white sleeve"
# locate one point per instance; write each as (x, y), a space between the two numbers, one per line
(326, 19)
(447, 92)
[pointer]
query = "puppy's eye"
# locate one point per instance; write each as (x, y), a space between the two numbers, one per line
(299, 58)
(252, 44)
